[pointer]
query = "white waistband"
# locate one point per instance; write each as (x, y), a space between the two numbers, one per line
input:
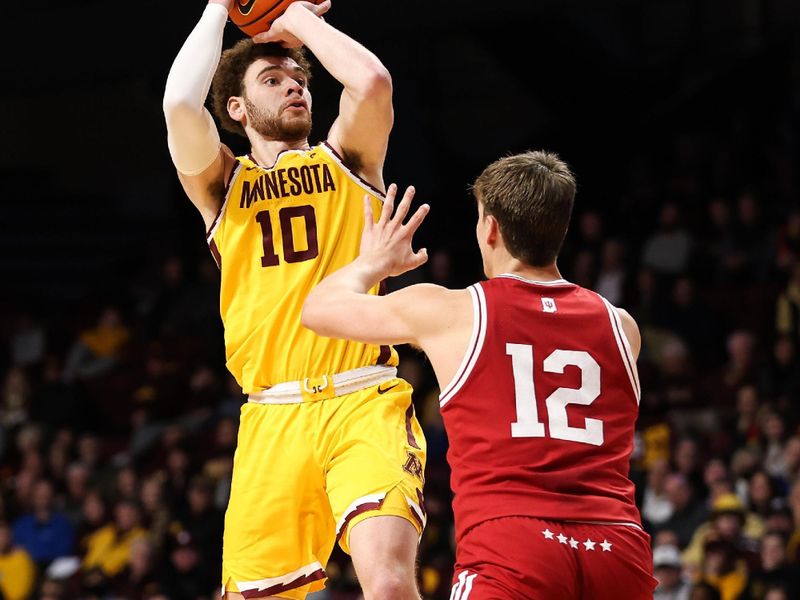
(291, 392)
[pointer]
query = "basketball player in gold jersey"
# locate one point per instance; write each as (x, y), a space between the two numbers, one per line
(329, 448)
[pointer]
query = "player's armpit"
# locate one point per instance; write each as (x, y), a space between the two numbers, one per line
(206, 190)
(410, 315)
(631, 330)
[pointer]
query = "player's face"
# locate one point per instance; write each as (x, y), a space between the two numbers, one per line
(276, 99)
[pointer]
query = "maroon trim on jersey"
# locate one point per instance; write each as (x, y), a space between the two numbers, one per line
(212, 245)
(278, 156)
(381, 195)
(409, 433)
(285, 587)
(361, 508)
(227, 188)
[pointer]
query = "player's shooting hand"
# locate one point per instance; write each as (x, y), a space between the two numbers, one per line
(387, 245)
(281, 30)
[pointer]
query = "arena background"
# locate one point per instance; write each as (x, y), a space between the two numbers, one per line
(681, 119)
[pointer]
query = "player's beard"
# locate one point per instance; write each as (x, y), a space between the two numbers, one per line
(278, 127)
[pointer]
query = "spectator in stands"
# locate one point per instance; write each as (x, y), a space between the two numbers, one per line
(202, 520)
(773, 571)
(28, 342)
(787, 311)
(688, 511)
(45, 533)
(98, 349)
(722, 569)
(761, 493)
(656, 506)
(108, 549)
(611, 278)
(138, 580)
(185, 575)
(773, 429)
(667, 251)
(733, 527)
(667, 569)
(17, 571)
(77, 487)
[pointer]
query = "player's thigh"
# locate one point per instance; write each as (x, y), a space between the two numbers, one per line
(375, 461)
(384, 547)
(616, 562)
(515, 557)
(279, 530)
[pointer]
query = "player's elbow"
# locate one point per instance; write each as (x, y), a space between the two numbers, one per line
(312, 315)
(376, 81)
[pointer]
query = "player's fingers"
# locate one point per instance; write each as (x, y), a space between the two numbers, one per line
(405, 204)
(416, 219)
(369, 218)
(322, 8)
(388, 205)
(420, 258)
(264, 37)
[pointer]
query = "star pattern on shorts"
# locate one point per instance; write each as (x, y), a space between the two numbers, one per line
(589, 544)
(573, 542)
(606, 546)
(548, 534)
(562, 538)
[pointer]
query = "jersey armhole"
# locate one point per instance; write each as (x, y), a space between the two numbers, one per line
(360, 181)
(624, 348)
(474, 347)
(215, 225)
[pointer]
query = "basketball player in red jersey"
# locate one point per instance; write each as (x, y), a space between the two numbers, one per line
(539, 390)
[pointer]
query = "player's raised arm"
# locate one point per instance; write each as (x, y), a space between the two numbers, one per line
(340, 306)
(203, 163)
(361, 132)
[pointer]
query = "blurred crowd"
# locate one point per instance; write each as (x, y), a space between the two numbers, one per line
(118, 420)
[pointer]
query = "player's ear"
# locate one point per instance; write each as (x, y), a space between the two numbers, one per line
(236, 109)
(492, 230)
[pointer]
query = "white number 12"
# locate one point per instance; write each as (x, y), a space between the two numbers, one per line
(528, 423)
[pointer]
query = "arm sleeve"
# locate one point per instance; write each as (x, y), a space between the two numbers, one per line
(192, 135)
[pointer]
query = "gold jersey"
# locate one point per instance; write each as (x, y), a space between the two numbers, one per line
(280, 231)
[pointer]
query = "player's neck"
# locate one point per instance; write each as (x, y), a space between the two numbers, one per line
(512, 266)
(266, 152)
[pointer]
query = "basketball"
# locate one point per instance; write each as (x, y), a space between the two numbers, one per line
(256, 16)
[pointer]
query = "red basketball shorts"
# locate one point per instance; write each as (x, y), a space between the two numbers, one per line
(525, 558)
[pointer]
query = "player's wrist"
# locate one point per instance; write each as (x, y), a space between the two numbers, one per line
(370, 271)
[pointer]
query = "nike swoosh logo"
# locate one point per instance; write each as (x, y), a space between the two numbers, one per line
(246, 7)
(384, 390)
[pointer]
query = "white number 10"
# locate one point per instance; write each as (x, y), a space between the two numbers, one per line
(528, 423)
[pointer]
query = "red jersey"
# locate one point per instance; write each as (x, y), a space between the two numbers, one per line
(541, 413)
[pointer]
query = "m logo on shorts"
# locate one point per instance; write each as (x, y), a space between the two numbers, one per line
(413, 466)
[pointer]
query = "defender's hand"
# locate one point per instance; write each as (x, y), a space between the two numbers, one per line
(386, 245)
(280, 31)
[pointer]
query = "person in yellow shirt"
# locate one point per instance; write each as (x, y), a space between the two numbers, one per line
(17, 571)
(108, 550)
(329, 447)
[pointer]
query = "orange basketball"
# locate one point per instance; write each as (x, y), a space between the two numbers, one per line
(256, 16)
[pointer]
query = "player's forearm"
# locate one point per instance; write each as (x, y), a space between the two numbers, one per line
(192, 135)
(350, 63)
(329, 307)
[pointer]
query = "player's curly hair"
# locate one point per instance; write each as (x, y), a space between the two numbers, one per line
(531, 195)
(229, 78)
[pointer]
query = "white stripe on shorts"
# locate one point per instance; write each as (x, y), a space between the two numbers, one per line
(463, 588)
